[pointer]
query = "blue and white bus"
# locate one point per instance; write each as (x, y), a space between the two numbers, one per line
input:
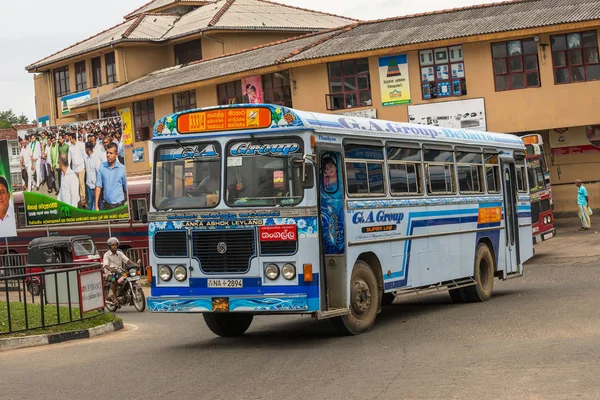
(262, 209)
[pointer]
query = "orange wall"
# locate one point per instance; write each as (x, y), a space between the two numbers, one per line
(141, 60)
(43, 96)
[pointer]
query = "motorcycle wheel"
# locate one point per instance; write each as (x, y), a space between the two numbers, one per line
(110, 307)
(139, 299)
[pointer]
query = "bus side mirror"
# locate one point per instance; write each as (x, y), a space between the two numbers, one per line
(308, 175)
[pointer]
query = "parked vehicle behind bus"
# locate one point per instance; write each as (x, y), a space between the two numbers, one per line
(261, 209)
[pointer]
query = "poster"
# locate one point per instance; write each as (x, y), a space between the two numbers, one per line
(72, 100)
(44, 121)
(74, 174)
(138, 154)
(460, 114)
(252, 90)
(394, 81)
(125, 114)
(8, 223)
(364, 113)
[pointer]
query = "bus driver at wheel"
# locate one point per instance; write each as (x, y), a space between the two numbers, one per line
(114, 261)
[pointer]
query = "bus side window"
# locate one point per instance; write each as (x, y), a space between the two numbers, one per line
(521, 179)
(21, 222)
(139, 210)
(439, 171)
(469, 172)
(404, 168)
(364, 170)
(492, 172)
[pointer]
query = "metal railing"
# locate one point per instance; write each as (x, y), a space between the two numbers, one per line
(42, 296)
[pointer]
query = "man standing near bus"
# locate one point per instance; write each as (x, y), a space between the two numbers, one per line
(112, 180)
(583, 202)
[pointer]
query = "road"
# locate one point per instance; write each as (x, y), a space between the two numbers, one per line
(538, 338)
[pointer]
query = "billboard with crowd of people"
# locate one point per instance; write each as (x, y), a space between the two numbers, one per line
(74, 173)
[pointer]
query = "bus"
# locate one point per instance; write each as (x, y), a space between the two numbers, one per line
(132, 234)
(538, 176)
(263, 209)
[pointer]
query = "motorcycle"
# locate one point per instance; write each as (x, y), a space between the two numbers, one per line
(129, 291)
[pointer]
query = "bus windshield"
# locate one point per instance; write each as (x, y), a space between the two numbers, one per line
(535, 176)
(260, 174)
(187, 176)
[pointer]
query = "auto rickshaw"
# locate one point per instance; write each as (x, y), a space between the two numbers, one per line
(57, 250)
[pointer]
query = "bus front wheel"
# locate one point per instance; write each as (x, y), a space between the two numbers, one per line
(484, 276)
(228, 324)
(364, 302)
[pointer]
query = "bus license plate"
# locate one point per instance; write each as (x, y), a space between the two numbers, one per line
(226, 283)
(548, 236)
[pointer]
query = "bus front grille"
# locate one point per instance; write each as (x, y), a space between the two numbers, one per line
(170, 244)
(227, 251)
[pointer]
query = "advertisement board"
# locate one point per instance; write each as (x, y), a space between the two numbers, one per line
(394, 81)
(252, 88)
(459, 114)
(8, 225)
(91, 291)
(127, 127)
(72, 100)
(74, 175)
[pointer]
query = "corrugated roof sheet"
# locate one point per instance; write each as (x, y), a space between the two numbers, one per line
(371, 36)
(236, 14)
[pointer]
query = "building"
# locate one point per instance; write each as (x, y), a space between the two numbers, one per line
(13, 135)
(519, 67)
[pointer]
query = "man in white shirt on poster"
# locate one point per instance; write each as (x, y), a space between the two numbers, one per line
(69, 187)
(26, 164)
(77, 162)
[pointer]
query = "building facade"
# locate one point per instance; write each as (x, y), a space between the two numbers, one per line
(517, 67)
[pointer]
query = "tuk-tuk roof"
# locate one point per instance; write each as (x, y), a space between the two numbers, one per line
(56, 240)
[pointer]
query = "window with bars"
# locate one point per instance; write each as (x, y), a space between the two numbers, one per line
(143, 118)
(276, 89)
(469, 168)
(229, 93)
(109, 112)
(349, 84)
(80, 76)
(442, 72)
(404, 165)
(111, 68)
(61, 81)
(575, 57)
(96, 71)
(184, 101)
(188, 52)
(516, 64)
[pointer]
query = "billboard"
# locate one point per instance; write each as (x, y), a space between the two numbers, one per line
(460, 114)
(8, 225)
(72, 100)
(394, 81)
(74, 174)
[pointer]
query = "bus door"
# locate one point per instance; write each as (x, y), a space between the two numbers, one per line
(511, 219)
(331, 217)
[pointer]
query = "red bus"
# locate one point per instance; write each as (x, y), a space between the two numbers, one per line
(538, 176)
(132, 234)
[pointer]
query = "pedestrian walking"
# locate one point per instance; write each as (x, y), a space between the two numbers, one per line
(583, 206)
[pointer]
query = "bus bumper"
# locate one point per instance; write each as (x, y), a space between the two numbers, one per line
(256, 304)
(544, 236)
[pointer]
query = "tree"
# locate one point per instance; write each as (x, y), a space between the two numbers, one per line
(9, 118)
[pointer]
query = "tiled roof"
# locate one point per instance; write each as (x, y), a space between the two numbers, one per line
(372, 35)
(221, 15)
(159, 4)
(8, 134)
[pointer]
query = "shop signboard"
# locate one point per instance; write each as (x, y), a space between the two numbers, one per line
(460, 114)
(394, 80)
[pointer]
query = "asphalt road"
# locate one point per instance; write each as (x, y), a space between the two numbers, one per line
(538, 338)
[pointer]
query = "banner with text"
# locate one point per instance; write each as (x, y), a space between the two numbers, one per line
(73, 174)
(8, 225)
(127, 126)
(394, 81)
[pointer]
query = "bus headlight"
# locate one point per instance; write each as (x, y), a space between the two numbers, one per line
(180, 273)
(165, 273)
(272, 272)
(288, 271)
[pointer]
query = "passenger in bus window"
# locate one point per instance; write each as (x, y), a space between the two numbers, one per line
(330, 175)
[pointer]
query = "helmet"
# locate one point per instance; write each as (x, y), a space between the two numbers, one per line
(111, 241)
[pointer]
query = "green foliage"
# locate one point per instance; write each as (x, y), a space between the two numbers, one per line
(9, 118)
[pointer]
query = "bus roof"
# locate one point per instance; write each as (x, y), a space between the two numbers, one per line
(258, 119)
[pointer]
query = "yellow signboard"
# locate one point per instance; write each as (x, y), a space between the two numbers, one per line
(127, 127)
(489, 215)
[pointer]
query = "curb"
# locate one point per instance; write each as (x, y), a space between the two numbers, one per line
(53, 338)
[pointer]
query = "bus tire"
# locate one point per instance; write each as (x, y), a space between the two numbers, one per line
(228, 324)
(458, 295)
(364, 302)
(483, 275)
(387, 299)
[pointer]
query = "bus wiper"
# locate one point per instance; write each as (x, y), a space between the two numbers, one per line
(253, 137)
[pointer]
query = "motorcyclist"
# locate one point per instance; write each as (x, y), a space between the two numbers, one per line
(114, 263)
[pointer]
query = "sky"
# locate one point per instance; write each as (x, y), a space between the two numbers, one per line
(47, 26)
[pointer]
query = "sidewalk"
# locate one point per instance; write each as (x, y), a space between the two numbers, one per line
(570, 242)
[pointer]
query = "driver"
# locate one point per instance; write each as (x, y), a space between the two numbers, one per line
(113, 263)
(210, 184)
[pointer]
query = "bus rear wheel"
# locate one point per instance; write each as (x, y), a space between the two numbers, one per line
(364, 302)
(484, 276)
(228, 324)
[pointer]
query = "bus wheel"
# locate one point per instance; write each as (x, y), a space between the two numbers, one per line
(484, 276)
(228, 324)
(387, 299)
(364, 302)
(458, 295)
